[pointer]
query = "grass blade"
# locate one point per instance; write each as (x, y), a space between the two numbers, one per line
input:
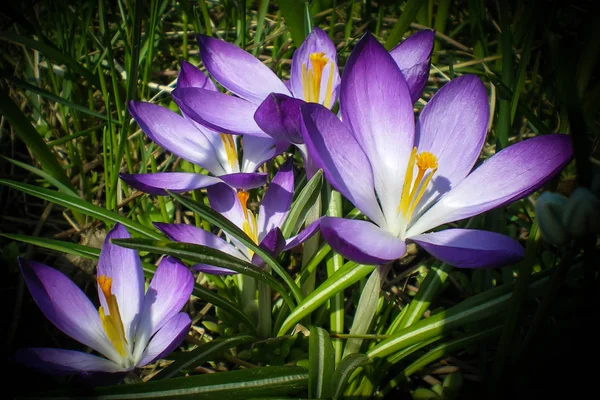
(321, 363)
(347, 275)
(231, 385)
(75, 203)
(302, 205)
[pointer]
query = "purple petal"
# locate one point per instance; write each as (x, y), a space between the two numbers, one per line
(239, 71)
(178, 182)
(305, 234)
(413, 57)
(376, 105)
(332, 147)
(169, 290)
(272, 243)
(245, 181)
(66, 306)
(166, 339)
(277, 200)
(218, 111)
(316, 42)
(223, 199)
(124, 267)
(279, 117)
(514, 172)
(65, 362)
(471, 248)
(174, 133)
(190, 76)
(258, 150)
(453, 126)
(361, 241)
(191, 234)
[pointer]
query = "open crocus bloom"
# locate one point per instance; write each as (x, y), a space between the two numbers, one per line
(314, 77)
(410, 179)
(279, 114)
(263, 229)
(130, 329)
(214, 151)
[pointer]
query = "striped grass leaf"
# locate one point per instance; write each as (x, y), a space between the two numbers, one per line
(349, 274)
(232, 385)
(302, 205)
(321, 363)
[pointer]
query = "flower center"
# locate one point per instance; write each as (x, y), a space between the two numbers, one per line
(249, 225)
(112, 323)
(412, 192)
(230, 150)
(311, 79)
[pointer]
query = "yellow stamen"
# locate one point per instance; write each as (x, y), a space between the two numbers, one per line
(230, 150)
(412, 192)
(311, 79)
(249, 225)
(112, 323)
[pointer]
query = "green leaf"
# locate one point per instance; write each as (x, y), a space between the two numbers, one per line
(28, 134)
(302, 205)
(321, 363)
(205, 255)
(408, 15)
(293, 13)
(340, 280)
(44, 175)
(61, 246)
(343, 372)
(231, 385)
(53, 54)
(75, 203)
(231, 229)
(204, 352)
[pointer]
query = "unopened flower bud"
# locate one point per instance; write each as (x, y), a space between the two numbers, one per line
(549, 209)
(582, 213)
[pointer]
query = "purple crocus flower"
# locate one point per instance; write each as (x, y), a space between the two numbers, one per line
(263, 229)
(409, 179)
(314, 77)
(214, 151)
(279, 115)
(130, 329)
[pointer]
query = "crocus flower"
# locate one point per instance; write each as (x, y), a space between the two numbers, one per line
(409, 179)
(279, 115)
(263, 229)
(130, 329)
(314, 77)
(214, 151)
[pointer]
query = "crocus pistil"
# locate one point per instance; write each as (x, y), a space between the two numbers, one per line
(112, 322)
(311, 79)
